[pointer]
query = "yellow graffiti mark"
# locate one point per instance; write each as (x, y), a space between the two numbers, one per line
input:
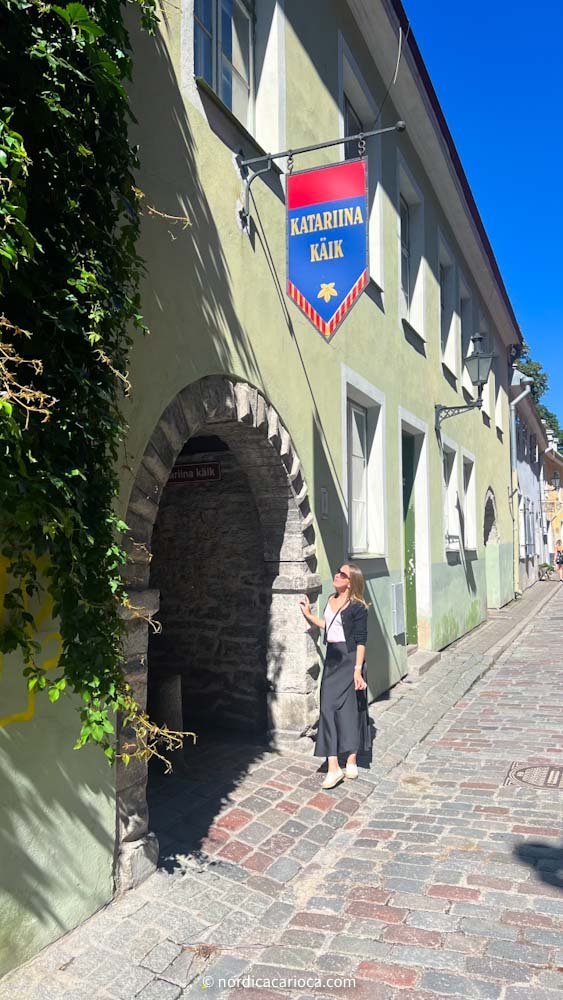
(43, 613)
(49, 664)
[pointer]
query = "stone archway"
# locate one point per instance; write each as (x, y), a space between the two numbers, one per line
(255, 433)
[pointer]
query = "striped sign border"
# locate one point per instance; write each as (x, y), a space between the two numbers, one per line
(328, 328)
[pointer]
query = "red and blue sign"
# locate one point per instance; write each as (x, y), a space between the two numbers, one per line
(327, 241)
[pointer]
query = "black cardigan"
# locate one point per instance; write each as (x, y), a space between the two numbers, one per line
(355, 625)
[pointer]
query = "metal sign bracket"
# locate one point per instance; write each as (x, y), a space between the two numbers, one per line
(268, 158)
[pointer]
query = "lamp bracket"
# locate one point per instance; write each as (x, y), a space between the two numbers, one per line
(444, 412)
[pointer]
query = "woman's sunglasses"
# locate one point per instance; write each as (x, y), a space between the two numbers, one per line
(345, 575)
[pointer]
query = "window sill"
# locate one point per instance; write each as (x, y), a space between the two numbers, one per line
(208, 93)
(409, 328)
(366, 555)
(449, 370)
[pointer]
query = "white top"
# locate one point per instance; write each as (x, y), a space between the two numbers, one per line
(335, 631)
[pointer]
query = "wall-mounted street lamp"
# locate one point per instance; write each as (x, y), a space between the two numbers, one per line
(478, 368)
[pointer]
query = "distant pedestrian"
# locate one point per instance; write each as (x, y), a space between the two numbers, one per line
(559, 558)
(344, 719)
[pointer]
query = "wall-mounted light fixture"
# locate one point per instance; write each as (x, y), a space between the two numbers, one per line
(478, 368)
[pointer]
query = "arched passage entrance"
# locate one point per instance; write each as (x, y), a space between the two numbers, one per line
(490, 530)
(492, 551)
(266, 476)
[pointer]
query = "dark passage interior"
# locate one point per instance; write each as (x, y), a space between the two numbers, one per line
(208, 564)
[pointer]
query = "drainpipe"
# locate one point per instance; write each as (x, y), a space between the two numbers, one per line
(528, 382)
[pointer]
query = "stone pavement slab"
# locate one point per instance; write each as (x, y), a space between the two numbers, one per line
(438, 873)
(465, 872)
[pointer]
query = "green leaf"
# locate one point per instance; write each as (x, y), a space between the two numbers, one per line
(77, 17)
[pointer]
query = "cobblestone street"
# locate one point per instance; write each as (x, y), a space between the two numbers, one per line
(439, 873)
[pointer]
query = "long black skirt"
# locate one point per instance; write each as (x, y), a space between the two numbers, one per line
(343, 717)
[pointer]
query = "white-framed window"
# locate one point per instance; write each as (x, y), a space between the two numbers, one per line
(410, 234)
(486, 347)
(538, 533)
(450, 497)
(527, 528)
(465, 310)
(531, 539)
(499, 391)
(352, 126)
(469, 504)
(531, 532)
(447, 303)
(405, 241)
(223, 52)
(523, 525)
(358, 476)
(358, 112)
(364, 465)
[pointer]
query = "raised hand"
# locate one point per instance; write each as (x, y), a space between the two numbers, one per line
(305, 606)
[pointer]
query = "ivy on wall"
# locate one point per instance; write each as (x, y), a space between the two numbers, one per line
(69, 305)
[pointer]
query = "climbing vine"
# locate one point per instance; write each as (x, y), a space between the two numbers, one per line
(69, 307)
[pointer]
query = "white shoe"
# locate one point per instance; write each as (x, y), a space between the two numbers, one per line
(333, 778)
(352, 771)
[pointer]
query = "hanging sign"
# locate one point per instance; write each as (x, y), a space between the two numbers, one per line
(327, 241)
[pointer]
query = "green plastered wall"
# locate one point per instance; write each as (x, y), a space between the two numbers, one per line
(459, 600)
(215, 301)
(500, 574)
(58, 815)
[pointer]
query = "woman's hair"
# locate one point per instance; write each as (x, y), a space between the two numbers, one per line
(357, 585)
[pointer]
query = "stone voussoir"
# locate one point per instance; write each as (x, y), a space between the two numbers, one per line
(246, 403)
(143, 505)
(173, 425)
(261, 422)
(191, 404)
(218, 399)
(274, 431)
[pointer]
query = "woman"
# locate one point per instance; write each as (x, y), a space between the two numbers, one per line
(559, 558)
(344, 720)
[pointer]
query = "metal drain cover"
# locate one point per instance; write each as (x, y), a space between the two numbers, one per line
(542, 776)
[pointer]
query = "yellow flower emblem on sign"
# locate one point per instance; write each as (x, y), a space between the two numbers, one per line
(327, 291)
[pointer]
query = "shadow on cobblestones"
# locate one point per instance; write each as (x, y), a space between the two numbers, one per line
(545, 860)
(183, 805)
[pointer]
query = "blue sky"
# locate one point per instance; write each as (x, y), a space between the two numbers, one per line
(496, 67)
